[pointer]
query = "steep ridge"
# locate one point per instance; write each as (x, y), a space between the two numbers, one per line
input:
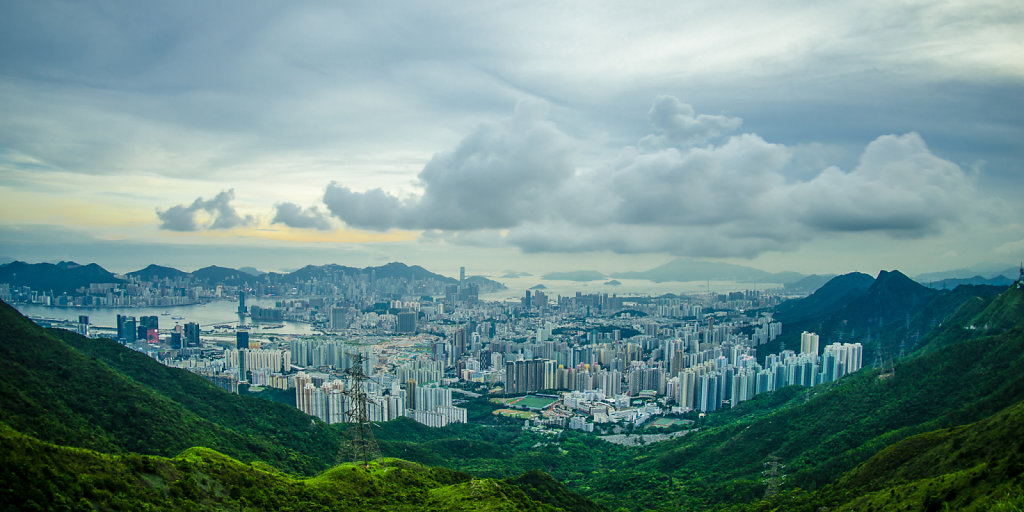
(832, 295)
(889, 316)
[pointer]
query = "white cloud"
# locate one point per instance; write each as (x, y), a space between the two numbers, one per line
(727, 200)
(219, 214)
(293, 215)
(498, 176)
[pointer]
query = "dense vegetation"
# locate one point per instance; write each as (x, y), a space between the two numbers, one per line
(941, 426)
(42, 476)
(96, 394)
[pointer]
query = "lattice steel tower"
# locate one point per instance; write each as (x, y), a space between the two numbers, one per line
(361, 443)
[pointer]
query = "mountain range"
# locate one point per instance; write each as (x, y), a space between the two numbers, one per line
(66, 277)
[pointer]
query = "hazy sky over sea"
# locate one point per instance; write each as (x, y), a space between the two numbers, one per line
(532, 136)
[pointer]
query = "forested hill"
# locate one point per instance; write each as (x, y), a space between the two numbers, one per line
(90, 423)
(889, 314)
(43, 476)
(95, 393)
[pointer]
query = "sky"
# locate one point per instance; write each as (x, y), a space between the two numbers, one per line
(528, 136)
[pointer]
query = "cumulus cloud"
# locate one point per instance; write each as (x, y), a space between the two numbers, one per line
(899, 187)
(498, 176)
(513, 183)
(681, 125)
(292, 215)
(216, 213)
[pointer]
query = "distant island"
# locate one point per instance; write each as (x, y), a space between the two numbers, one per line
(613, 282)
(575, 275)
(511, 274)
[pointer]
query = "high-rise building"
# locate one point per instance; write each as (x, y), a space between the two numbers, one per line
(808, 343)
(407, 322)
(126, 329)
(242, 339)
(191, 335)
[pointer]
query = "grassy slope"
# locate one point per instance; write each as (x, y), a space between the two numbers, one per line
(42, 476)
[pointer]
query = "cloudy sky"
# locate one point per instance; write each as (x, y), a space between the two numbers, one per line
(529, 136)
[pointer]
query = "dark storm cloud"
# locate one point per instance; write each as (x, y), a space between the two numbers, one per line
(221, 214)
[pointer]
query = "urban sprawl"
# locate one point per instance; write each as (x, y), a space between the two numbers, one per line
(580, 361)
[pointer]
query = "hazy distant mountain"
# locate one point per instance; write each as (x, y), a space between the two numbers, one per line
(986, 270)
(155, 272)
(950, 283)
(511, 274)
(692, 270)
(486, 285)
(808, 284)
(574, 275)
(222, 275)
(63, 277)
(252, 271)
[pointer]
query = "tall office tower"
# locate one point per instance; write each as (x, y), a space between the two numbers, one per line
(462, 276)
(241, 302)
(191, 335)
(808, 343)
(128, 330)
(460, 341)
(242, 339)
(407, 322)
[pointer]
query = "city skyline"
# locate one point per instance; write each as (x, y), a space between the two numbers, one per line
(525, 137)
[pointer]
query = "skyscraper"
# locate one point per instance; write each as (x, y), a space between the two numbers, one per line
(808, 343)
(191, 335)
(242, 339)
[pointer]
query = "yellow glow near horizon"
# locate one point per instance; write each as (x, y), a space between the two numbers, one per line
(284, 234)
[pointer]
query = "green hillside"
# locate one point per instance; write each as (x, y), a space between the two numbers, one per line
(838, 426)
(97, 394)
(973, 467)
(43, 476)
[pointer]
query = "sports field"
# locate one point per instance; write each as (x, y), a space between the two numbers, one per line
(523, 415)
(532, 402)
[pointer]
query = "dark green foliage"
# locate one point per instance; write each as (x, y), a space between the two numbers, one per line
(973, 467)
(539, 486)
(42, 476)
(97, 394)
